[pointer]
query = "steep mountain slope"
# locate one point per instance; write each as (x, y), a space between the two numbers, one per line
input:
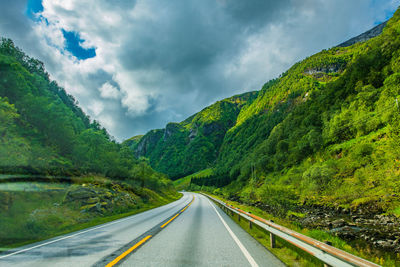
(193, 144)
(320, 145)
(375, 31)
(43, 134)
(325, 132)
(43, 131)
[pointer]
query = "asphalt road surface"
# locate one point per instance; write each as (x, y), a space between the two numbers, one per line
(191, 231)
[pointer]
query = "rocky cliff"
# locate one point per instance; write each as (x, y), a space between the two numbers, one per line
(193, 144)
(365, 36)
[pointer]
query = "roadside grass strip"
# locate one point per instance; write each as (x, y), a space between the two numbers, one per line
(118, 256)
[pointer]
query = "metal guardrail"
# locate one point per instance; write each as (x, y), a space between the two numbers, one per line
(331, 256)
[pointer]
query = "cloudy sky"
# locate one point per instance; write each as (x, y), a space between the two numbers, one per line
(135, 65)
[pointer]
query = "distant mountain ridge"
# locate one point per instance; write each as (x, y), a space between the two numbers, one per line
(325, 132)
(193, 144)
(375, 31)
(167, 149)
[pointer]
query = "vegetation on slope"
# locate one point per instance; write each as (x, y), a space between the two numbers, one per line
(325, 132)
(185, 182)
(47, 207)
(320, 146)
(192, 145)
(44, 133)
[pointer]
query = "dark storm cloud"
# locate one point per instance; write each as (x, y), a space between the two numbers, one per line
(159, 61)
(255, 13)
(13, 22)
(188, 35)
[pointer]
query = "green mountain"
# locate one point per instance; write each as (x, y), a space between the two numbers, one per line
(193, 144)
(325, 132)
(60, 172)
(44, 132)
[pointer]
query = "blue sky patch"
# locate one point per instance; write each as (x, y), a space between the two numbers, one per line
(33, 7)
(73, 42)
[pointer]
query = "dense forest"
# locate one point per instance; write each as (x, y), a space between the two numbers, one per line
(193, 144)
(43, 131)
(325, 132)
(60, 171)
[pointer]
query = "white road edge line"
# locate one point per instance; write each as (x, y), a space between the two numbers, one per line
(66, 237)
(242, 248)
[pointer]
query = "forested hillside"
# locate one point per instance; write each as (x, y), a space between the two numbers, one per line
(324, 132)
(59, 170)
(193, 144)
(43, 131)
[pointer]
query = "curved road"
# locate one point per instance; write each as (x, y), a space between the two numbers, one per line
(200, 235)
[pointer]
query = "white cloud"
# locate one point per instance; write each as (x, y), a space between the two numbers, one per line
(96, 107)
(109, 91)
(158, 61)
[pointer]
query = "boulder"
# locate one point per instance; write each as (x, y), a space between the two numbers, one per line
(339, 223)
(79, 194)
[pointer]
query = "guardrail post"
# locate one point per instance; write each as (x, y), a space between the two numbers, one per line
(328, 256)
(272, 239)
(238, 217)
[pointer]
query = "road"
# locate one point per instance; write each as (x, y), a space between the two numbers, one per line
(200, 235)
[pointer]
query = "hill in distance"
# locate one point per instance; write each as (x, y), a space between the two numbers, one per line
(324, 132)
(323, 138)
(193, 144)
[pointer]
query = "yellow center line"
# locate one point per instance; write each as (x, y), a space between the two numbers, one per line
(185, 208)
(170, 220)
(187, 205)
(123, 255)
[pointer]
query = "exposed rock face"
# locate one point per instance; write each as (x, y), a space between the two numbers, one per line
(170, 129)
(80, 193)
(148, 142)
(133, 142)
(364, 223)
(326, 69)
(367, 224)
(173, 150)
(365, 36)
(193, 133)
(101, 200)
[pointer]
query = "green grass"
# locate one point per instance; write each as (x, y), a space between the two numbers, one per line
(94, 222)
(184, 183)
(396, 211)
(35, 215)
